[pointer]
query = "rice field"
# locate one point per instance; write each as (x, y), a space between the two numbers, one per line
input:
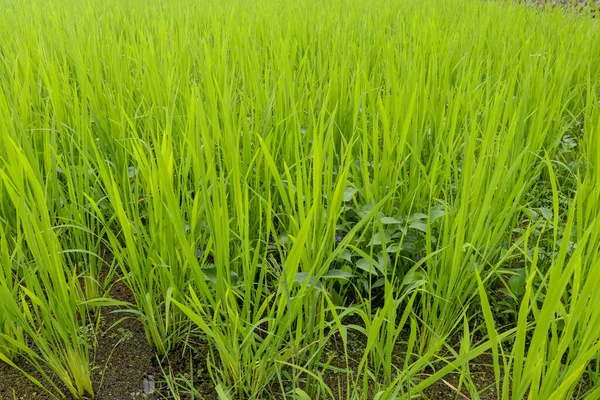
(299, 200)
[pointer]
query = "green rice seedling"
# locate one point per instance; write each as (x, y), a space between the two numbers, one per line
(552, 348)
(8, 280)
(46, 305)
(556, 340)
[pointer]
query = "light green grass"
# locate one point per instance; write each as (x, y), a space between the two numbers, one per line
(452, 146)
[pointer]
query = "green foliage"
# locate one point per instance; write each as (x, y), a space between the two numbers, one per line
(274, 179)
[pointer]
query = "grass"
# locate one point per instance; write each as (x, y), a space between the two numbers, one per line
(273, 178)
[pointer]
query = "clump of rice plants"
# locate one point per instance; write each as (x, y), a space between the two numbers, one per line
(322, 199)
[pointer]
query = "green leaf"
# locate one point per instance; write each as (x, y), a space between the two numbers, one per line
(283, 239)
(530, 212)
(367, 266)
(414, 277)
(221, 393)
(380, 237)
(211, 274)
(338, 274)
(349, 193)
(436, 212)
(132, 172)
(417, 217)
(389, 221)
(394, 248)
(301, 277)
(378, 283)
(301, 394)
(346, 255)
(546, 213)
(366, 210)
(517, 282)
(418, 225)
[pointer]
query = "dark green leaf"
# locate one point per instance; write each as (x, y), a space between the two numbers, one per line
(389, 221)
(132, 172)
(394, 248)
(418, 225)
(546, 213)
(336, 273)
(211, 274)
(365, 265)
(345, 256)
(436, 212)
(349, 193)
(417, 217)
(301, 277)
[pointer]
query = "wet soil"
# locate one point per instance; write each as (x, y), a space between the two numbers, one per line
(122, 361)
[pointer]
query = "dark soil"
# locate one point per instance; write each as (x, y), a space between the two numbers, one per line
(482, 375)
(14, 385)
(123, 359)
